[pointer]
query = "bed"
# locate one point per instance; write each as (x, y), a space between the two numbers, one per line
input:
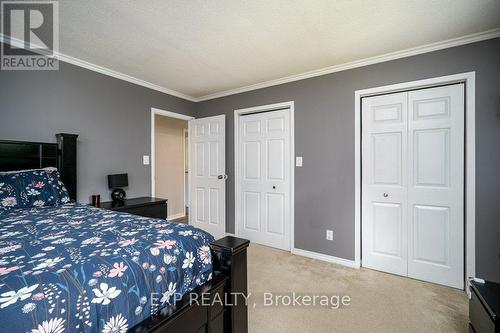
(68, 267)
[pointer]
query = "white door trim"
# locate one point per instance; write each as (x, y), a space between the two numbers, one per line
(265, 108)
(470, 167)
(185, 142)
(155, 111)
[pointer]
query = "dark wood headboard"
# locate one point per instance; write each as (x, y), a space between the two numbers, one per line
(22, 155)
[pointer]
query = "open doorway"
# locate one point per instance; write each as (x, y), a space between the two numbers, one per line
(169, 135)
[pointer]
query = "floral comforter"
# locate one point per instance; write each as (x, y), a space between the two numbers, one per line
(75, 268)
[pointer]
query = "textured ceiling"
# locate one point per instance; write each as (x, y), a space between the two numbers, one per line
(199, 47)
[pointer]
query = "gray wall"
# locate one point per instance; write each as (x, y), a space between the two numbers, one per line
(324, 135)
(111, 116)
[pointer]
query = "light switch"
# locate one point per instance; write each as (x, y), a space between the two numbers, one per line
(298, 161)
(145, 159)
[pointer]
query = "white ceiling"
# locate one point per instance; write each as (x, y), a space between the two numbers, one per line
(200, 47)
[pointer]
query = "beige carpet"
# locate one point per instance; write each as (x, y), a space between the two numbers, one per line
(380, 302)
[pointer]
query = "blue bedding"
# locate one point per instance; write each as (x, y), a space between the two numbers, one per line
(75, 268)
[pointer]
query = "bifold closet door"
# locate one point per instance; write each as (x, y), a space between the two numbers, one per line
(384, 183)
(413, 184)
(264, 169)
(436, 185)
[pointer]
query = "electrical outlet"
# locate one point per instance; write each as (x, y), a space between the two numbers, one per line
(145, 159)
(329, 235)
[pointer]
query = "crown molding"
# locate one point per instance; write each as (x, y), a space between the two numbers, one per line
(122, 76)
(472, 38)
(102, 70)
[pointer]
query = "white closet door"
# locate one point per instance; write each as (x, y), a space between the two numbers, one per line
(207, 168)
(436, 185)
(384, 183)
(413, 184)
(264, 169)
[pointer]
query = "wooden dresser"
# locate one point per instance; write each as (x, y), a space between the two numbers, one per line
(484, 307)
(143, 206)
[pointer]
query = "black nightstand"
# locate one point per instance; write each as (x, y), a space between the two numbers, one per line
(144, 206)
(484, 307)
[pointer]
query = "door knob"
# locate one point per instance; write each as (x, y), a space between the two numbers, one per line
(386, 195)
(274, 187)
(222, 177)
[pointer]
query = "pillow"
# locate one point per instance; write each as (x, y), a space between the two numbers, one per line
(57, 185)
(26, 189)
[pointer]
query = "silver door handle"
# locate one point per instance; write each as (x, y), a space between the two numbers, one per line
(222, 177)
(386, 195)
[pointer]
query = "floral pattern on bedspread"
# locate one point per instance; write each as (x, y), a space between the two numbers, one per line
(75, 268)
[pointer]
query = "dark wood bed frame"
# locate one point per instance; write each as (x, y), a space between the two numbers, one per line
(217, 306)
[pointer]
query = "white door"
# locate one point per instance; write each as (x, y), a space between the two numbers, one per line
(413, 184)
(207, 172)
(264, 181)
(436, 185)
(384, 191)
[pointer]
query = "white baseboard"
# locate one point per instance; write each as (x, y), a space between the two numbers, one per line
(176, 216)
(324, 257)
